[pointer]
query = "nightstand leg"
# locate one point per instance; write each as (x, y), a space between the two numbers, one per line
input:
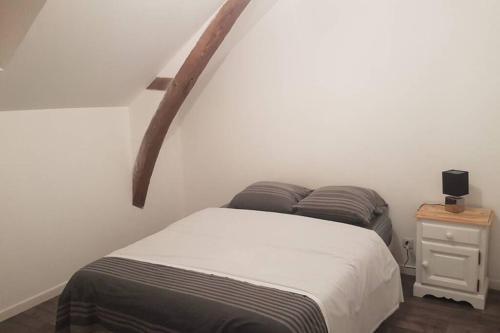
(478, 301)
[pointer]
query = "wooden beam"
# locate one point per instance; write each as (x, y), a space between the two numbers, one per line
(160, 83)
(177, 92)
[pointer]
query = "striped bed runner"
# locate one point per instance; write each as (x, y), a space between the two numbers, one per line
(123, 295)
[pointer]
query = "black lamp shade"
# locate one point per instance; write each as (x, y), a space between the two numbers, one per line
(455, 183)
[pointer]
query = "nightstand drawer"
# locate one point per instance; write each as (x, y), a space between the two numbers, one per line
(451, 233)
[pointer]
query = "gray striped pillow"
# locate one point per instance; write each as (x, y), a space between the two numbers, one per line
(348, 204)
(270, 197)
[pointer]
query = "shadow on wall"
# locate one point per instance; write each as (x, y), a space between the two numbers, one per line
(475, 198)
(16, 18)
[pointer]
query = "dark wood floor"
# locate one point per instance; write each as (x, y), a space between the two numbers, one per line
(39, 319)
(436, 315)
(428, 314)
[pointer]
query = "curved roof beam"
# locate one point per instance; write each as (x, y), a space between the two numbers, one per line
(177, 92)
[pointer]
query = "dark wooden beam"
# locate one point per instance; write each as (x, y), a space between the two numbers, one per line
(177, 92)
(160, 83)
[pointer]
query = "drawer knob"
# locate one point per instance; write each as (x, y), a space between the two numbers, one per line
(449, 235)
(425, 264)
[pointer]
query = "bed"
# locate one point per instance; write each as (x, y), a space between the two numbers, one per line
(382, 226)
(241, 271)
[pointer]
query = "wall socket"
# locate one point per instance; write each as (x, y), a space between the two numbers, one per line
(408, 244)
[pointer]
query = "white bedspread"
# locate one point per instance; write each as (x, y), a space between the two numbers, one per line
(347, 270)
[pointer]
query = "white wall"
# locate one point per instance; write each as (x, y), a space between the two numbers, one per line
(383, 94)
(65, 198)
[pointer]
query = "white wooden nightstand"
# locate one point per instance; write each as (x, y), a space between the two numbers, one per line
(452, 254)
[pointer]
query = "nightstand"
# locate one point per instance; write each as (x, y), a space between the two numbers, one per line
(452, 254)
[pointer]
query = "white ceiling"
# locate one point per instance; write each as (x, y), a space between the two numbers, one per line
(16, 17)
(85, 53)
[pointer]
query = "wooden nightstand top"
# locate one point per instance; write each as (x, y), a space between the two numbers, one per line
(475, 216)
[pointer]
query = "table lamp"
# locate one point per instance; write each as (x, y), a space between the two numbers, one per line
(455, 185)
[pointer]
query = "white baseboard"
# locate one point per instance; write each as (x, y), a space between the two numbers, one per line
(495, 284)
(28, 303)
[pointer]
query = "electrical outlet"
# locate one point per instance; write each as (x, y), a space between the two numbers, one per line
(408, 244)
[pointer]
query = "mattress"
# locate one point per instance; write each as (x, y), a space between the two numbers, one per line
(382, 225)
(238, 271)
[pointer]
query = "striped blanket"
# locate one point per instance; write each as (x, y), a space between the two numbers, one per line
(122, 295)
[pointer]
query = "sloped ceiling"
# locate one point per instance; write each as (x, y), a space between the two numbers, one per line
(16, 17)
(85, 53)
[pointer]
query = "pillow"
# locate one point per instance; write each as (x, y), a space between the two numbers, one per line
(270, 197)
(348, 204)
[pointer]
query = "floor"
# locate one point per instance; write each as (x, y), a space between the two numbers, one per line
(428, 314)
(39, 319)
(436, 315)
